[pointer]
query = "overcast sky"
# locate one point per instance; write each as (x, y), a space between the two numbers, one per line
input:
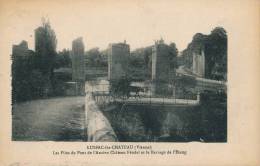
(103, 22)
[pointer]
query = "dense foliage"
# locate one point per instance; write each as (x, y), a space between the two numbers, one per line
(140, 62)
(95, 58)
(62, 59)
(120, 87)
(33, 73)
(215, 48)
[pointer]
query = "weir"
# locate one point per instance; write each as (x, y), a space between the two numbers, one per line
(143, 117)
(98, 127)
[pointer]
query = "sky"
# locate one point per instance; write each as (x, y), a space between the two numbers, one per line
(101, 22)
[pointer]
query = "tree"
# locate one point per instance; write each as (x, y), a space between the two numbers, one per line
(94, 58)
(27, 81)
(148, 59)
(216, 54)
(215, 49)
(173, 55)
(120, 87)
(45, 49)
(62, 59)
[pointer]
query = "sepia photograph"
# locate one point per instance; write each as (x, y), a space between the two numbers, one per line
(129, 82)
(148, 93)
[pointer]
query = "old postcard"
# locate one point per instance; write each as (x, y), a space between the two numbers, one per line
(129, 82)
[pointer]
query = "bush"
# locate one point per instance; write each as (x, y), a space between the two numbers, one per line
(120, 87)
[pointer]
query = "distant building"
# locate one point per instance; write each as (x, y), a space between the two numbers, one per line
(117, 60)
(78, 65)
(162, 72)
(21, 49)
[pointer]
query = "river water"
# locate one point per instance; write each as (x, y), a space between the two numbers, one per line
(63, 119)
(203, 123)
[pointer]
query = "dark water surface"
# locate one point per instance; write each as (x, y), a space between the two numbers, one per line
(166, 124)
(57, 119)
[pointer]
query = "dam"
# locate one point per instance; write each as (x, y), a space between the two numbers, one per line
(148, 117)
